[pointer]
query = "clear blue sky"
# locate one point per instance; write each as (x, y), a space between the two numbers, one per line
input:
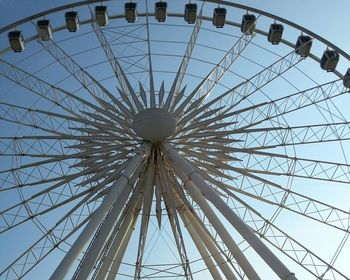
(329, 19)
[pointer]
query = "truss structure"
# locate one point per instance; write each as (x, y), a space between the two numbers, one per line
(251, 181)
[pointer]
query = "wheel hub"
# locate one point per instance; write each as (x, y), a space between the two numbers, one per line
(154, 124)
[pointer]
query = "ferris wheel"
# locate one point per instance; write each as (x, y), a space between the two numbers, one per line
(172, 140)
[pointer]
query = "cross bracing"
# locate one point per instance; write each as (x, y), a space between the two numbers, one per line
(92, 183)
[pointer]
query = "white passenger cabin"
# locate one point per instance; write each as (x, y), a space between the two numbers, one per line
(130, 12)
(16, 40)
(72, 21)
(191, 13)
(160, 11)
(303, 45)
(275, 33)
(44, 30)
(219, 17)
(329, 60)
(248, 24)
(101, 15)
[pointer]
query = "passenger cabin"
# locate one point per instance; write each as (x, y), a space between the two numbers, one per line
(248, 24)
(44, 30)
(275, 33)
(191, 13)
(72, 21)
(160, 11)
(101, 15)
(219, 17)
(346, 79)
(303, 45)
(16, 40)
(329, 60)
(130, 12)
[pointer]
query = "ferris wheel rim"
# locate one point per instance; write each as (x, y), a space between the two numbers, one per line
(223, 2)
(179, 15)
(147, 13)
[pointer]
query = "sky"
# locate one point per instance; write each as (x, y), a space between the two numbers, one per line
(328, 19)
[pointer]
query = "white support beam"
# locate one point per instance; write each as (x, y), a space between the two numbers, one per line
(220, 228)
(114, 268)
(196, 226)
(165, 185)
(193, 180)
(99, 215)
(121, 239)
(94, 251)
(201, 241)
(148, 190)
(200, 244)
(116, 262)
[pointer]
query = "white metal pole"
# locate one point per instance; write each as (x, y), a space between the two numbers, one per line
(221, 230)
(122, 230)
(114, 267)
(146, 212)
(117, 242)
(201, 248)
(99, 214)
(105, 230)
(190, 176)
(202, 251)
(210, 244)
(197, 230)
(164, 184)
(115, 247)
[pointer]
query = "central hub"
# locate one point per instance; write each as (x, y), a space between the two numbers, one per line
(154, 124)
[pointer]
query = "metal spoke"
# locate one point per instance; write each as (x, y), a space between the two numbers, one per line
(272, 137)
(150, 70)
(51, 240)
(275, 194)
(256, 114)
(298, 167)
(122, 79)
(203, 90)
(58, 96)
(174, 95)
(289, 246)
(83, 77)
(55, 195)
(247, 88)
